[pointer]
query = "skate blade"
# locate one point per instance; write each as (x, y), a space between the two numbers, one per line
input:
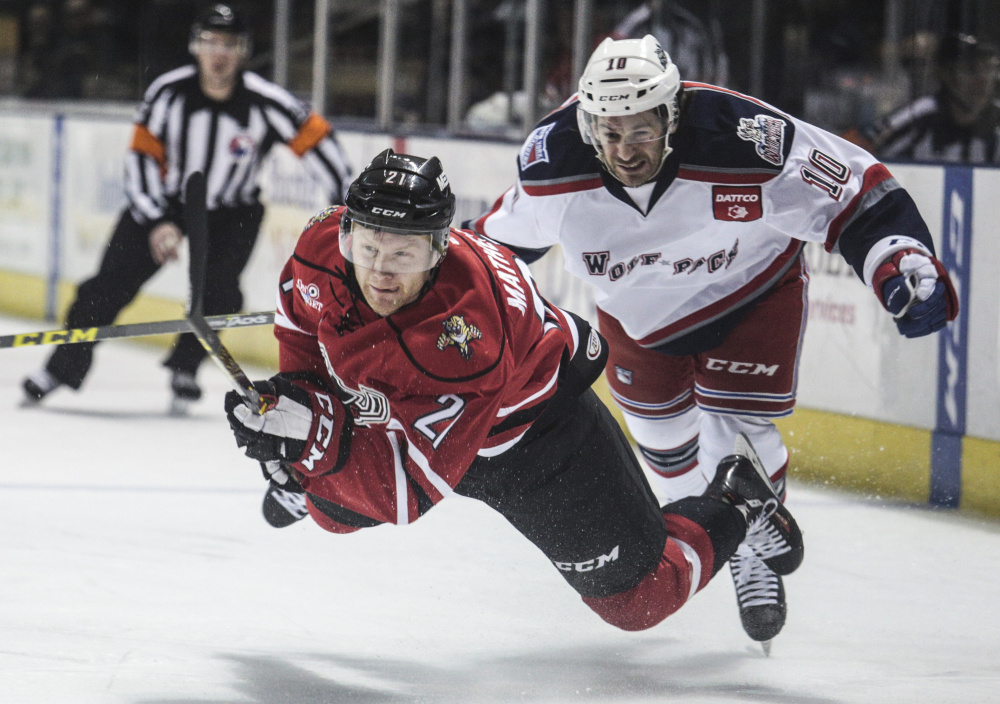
(744, 448)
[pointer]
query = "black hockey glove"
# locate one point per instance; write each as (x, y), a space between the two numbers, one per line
(916, 289)
(282, 431)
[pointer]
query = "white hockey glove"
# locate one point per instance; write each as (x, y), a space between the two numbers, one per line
(304, 425)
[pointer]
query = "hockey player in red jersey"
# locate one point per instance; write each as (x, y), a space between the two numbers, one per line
(417, 360)
(688, 206)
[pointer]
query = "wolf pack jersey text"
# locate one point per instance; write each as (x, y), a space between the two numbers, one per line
(742, 191)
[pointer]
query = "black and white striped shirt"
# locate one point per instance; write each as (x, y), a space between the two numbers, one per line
(923, 131)
(179, 130)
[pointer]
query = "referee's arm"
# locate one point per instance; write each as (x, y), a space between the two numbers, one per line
(311, 138)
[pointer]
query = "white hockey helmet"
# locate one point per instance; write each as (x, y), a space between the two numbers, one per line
(627, 77)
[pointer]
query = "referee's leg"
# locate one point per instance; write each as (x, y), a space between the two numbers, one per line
(232, 235)
(126, 266)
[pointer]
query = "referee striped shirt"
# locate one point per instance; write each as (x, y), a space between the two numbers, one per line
(923, 131)
(179, 130)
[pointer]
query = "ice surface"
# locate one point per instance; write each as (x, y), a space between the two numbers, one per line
(135, 568)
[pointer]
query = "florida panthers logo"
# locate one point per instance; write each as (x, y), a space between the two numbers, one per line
(460, 334)
(320, 216)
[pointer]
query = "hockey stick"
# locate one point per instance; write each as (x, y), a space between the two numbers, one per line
(112, 332)
(197, 221)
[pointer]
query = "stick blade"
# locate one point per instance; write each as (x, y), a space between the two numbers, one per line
(196, 214)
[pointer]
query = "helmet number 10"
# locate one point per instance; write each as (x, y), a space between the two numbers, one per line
(618, 63)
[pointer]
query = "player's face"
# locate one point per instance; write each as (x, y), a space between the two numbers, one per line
(219, 55)
(632, 146)
(971, 85)
(390, 269)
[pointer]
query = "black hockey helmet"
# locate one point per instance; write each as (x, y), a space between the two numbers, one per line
(958, 47)
(400, 194)
(220, 17)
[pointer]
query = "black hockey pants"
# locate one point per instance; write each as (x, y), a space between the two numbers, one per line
(127, 265)
(575, 489)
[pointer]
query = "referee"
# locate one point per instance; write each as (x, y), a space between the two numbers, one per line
(217, 118)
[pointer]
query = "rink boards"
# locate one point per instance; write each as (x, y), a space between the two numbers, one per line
(917, 419)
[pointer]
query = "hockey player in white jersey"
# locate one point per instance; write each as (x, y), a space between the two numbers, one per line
(688, 206)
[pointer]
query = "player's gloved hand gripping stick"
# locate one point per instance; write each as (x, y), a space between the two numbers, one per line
(268, 437)
(280, 421)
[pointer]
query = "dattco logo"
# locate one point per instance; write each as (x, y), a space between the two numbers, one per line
(737, 203)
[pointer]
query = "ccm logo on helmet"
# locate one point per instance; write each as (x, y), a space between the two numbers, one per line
(389, 213)
(611, 98)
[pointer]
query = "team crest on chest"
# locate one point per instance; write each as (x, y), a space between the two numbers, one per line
(459, 334)
(768, 133)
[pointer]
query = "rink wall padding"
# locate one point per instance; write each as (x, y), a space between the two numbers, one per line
(917, 420)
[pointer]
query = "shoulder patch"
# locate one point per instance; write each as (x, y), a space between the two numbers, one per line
(767, 133)
(321, 216)
(535, 149)
(459, 334)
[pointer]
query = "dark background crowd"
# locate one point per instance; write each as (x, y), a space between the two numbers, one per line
(832, 62)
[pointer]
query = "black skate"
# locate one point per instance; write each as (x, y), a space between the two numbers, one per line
(186, 391)
(39, 385)
(760, 596)
(284, 506)
(772, 533)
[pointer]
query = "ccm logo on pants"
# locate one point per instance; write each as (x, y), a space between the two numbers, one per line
(589, 565)
(751, 368)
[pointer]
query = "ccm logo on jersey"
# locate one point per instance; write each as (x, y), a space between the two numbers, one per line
(588, 565)
(737, 203)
